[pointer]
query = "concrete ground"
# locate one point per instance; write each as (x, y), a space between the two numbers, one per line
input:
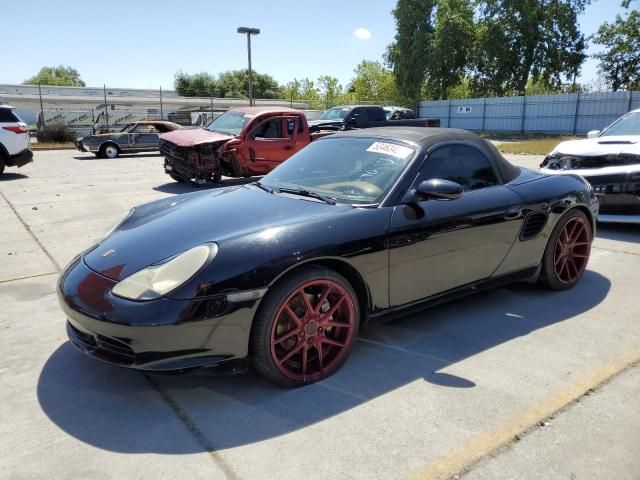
(432, 395)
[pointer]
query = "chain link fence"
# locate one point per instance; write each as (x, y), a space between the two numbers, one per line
(84, 110)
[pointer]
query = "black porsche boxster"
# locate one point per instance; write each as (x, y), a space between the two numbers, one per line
(357, 226)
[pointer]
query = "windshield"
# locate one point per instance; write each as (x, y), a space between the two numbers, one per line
(128, 127)
(627, 125)
(337, 113)
(351, 170)
(230, 122)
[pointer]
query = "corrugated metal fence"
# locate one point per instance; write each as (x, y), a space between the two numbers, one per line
(567, 113)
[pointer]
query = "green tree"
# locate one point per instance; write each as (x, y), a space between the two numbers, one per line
(197, 85)
(452, 42)
(408, 55)
(330, 90)
(233, 83)
(522, 38)
(620, 62)
(373, 82)
(60, 76)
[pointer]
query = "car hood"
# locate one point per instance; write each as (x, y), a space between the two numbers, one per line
(190, 138)
(601, 146)
(164, 228)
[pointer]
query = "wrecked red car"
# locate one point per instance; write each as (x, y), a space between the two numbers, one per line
(239, 143)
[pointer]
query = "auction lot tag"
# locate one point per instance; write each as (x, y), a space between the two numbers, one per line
(392, 149)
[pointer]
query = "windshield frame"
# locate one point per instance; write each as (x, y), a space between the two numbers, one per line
(604, 133)
(387, 194)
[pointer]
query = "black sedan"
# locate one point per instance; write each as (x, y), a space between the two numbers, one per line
(356, 227)
(135, 137)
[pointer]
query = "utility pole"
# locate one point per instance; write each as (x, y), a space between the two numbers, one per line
(249, 31)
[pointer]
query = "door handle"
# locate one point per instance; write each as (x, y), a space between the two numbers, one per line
(513, 212)
(288, 147)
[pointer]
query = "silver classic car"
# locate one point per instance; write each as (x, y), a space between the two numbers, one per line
(134, 138)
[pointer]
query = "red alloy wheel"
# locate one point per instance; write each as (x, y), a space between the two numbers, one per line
(572, 249)
(313, 330)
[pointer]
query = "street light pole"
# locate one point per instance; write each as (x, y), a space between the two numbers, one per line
(249, 31)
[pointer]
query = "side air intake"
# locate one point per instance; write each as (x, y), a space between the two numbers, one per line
(533, 224)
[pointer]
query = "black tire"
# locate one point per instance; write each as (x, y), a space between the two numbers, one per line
(1, 163)
(177, 178)
(263, 326)
(565, 260)
(109, 150)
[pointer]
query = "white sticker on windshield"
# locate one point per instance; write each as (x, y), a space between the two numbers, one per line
(392, 149)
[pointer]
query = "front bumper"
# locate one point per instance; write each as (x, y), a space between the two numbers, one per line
(80, 146)
(21, 159)
(159, 335)
(618, 193)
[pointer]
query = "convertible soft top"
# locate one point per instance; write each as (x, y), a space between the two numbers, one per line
(429, 137)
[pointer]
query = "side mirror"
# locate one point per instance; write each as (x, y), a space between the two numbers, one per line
(438, 189)
(593, 133)
(353, 119)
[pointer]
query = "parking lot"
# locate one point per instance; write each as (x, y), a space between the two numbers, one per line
(426, 396)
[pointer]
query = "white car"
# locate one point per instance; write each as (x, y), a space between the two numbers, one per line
(14, 140)
(610, 161)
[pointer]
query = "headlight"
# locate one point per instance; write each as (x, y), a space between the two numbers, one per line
(158, 280)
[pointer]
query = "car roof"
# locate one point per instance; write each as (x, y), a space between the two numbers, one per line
(258, 110)
(427, 137)
(156, 122)
(419, 135)
(4, 105)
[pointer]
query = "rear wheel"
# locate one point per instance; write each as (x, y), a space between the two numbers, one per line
(1, 164)
(305, 328)
(177, 178)
(109, 150)
(567, 253)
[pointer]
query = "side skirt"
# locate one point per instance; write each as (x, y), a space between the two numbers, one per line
(529, 274)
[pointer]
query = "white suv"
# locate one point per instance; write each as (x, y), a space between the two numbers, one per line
(14, 140)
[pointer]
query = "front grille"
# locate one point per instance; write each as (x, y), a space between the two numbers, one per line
(109, 349)
(533, 224)
(172, 150)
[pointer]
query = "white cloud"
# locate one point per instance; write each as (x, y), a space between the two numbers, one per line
(362, 33)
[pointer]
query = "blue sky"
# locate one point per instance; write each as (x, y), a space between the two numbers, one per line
(142, 43)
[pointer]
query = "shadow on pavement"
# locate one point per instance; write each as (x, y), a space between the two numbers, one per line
(119, 410)
(6, 177)
(186, 187)
(91, 156)
(621, 232)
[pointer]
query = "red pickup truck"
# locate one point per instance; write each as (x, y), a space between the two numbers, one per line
(239, 143)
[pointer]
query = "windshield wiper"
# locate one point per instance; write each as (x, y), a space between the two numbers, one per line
(262, 186)
(307, 193)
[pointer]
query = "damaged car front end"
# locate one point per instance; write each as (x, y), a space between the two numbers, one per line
(610, 162)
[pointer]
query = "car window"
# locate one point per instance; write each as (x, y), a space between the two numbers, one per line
(7, 116)
(352, 170)
(462, 164)
(145, 129)
(376, 114)
(362, 114)
(230, 122)
(291, 125)
(270, 129)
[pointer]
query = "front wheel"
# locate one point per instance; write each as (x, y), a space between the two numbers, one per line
(567, 253)
(1, 164)
(305, 328)
(109, 151)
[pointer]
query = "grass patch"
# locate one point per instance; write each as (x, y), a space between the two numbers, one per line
(537, 146)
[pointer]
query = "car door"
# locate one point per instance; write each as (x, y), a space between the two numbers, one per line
(438, 245)
(270, 142)
(144, 137)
